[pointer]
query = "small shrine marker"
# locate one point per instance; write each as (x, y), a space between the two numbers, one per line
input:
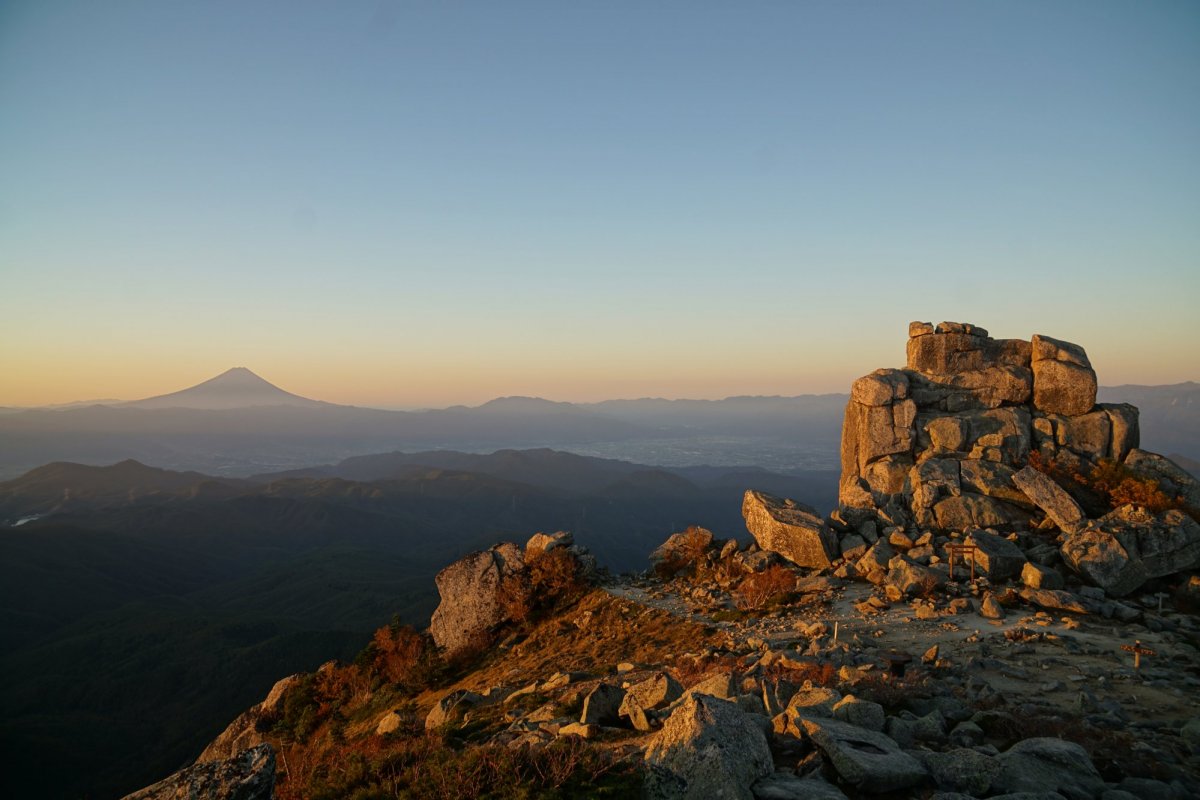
(961, 550)
(1138, 651)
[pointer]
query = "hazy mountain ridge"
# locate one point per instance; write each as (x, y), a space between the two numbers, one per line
(282, 431)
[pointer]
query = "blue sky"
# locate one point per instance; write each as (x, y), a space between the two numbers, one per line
(428, 203)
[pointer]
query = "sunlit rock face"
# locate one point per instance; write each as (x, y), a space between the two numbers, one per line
(936, 444)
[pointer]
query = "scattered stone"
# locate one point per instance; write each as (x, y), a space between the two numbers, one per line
(389, 723)
(715, 686)
(657, 691)
(544, 543)
(602, 705)
(912, 578)
(679, 548)
(1063, 379)
(815, 700)
(966, 734)
(450, 708)
(1035, 576)
(1051, 498)
(582, 730)
(1190, 733)
(1055, 599)
(1174, 479)
(243, 733)
(861, 713)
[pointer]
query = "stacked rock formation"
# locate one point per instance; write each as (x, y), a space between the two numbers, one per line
(944, 445)
(938, 443)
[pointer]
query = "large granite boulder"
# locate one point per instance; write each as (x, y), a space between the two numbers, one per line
(1130, 545)
(868, 760)
(792, 529)
(1099, 558)
(1048, 765)
(248, 775)
(707, 748)
(1063, 379)
(470, 592)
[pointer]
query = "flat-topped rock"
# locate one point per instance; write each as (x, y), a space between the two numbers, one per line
(789, 528)
(1063, 379)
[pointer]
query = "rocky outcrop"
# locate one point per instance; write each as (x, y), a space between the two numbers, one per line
(248, 775)
(243, 733)
(1131, 545)
(469, 589)
(707, 748)
(990, 438)
(793, 530)
(939, 444)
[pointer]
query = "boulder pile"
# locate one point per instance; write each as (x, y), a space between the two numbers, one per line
(962, 440)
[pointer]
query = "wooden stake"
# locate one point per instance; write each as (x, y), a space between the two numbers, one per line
(1138, 651)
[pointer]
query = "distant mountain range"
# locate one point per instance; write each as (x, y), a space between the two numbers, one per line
(238, 424)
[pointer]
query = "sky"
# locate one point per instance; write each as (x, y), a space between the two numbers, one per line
(409, 204)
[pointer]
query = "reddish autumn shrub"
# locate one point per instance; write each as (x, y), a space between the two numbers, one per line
(401, 654)
(687, 554)
(758, 589)
(551, 578)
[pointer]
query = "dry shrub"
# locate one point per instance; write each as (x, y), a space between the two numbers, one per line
(687, 555)
(1111, 485)
(550, 579)
(773, 584)
(1121, 485)
(690, 671)
(402, 655)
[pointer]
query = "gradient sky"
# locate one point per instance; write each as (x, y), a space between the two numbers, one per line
(419, 203)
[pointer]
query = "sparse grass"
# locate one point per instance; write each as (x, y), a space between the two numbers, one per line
(430, 767)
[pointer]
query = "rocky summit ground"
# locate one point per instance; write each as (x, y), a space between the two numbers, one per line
(1004, 605)
(831, 687)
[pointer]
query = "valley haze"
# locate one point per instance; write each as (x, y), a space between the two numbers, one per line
(239, 424)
